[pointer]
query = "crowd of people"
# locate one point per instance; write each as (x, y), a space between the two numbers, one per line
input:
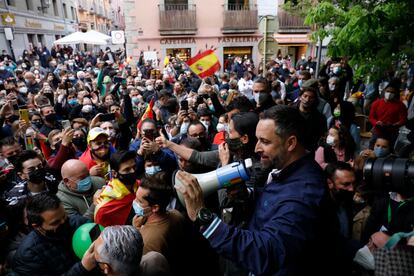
(91, 137)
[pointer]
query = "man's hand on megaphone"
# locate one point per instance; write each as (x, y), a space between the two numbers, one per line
(192, 193)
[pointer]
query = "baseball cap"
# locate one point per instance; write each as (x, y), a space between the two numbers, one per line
(94, 133)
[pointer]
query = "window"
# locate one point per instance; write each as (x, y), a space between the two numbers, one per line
(29, 5)
(30, 37)
(73, 13)
(238, 4)
(55, 8)
(11, 2)
(65, 12)
(40, 40)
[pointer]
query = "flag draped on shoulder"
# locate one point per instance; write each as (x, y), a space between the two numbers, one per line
(148, 114)
(204, 64)
(114, 204)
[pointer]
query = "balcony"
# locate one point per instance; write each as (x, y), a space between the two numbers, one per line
(239, 19)
(291, 24)
(177, 19)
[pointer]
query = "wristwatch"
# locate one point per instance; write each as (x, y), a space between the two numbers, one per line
(204, 217)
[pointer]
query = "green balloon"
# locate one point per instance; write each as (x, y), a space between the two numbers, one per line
(82, 238)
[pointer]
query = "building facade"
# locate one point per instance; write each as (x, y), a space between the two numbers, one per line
(95, 15)
(36, 23)
(185, 27)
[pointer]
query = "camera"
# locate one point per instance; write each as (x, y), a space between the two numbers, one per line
(390, 174)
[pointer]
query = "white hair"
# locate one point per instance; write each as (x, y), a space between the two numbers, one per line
(122, 249)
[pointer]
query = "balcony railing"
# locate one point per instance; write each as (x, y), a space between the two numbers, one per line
(239, 19)
(177, 19)
(291, 24)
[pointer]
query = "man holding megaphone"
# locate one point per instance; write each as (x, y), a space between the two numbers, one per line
(285, 234)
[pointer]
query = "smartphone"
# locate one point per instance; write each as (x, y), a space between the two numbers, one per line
(200, 100)
(118, 79)
(107, 117)
(94, 232)
(66, 124)
(150, 135)
(24, 113)
(28, 140)
(184, 105)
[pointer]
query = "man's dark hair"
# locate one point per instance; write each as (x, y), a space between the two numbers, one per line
(245, 123)
(195, 123)
(288, 121)
(23, 157)
(331, 168)
(192, 143)
(242, 103)
(120, 157)
(264, 82)
(204, 112)
(8, 141)
(163, 93)
(160, 190)
(149, 120)
(306, 74)
(38, 204)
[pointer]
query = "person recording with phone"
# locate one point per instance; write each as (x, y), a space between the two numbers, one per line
(145, 145)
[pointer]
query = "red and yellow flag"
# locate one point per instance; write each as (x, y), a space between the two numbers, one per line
(204, 64)
(147, 114)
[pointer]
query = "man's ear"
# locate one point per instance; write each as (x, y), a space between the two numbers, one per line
(291, 143)
(331, 184)
(155, 208)
(107, 269)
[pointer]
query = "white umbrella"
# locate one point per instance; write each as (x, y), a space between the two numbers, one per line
(80, 37)
(96, 34)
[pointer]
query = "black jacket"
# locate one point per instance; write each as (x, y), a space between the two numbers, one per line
(43, 256)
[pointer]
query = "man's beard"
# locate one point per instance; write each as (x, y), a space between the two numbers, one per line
(105, 157)
(278, 162)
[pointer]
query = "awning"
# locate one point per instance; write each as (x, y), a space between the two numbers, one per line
(292, 39)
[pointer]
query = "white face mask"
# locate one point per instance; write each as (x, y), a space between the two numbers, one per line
(389, 96)
(332, 87)
(365, 258)
(87, 108)
(330, 140)
(150, 87)
(184, 128)
(23, 90)
(221, 127)
(206, 124)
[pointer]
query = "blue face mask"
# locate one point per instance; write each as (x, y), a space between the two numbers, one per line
(152, 170)
(73, 102)
(85, 184)
(184, 128)
(300, 83)
(138, 209)
(381, 152)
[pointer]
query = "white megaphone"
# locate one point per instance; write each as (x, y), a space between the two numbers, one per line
(223, 177)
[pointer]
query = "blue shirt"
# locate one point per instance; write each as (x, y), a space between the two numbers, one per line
(285, 225)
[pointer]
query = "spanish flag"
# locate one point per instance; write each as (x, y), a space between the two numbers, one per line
(114, 204)
(147, 114)
(204, 64)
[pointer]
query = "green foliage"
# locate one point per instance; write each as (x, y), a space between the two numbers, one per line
(375, 35)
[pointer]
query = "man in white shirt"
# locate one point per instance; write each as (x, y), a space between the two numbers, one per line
(245, 85)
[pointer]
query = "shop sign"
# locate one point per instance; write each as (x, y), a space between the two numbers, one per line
(33, 24)
(167, 41)
(232, 39)
(8, 19)
(59, 27)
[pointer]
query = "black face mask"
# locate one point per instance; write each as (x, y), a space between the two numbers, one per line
(37, 176)
(234, 144)
(12, 119)
(63, 231)
(80, 143)
(57, 146)
(12, 159)
(51, 118)
(128, 178)
(38, 125)
(342, 196)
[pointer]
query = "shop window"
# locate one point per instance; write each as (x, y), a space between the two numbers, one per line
(229, 53)
(182, 53)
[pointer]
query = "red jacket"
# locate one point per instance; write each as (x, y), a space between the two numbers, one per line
(390, 113)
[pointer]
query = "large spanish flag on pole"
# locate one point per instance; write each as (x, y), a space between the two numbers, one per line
(148, 114)
(204, 64)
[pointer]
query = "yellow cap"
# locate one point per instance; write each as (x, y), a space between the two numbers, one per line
(95, 132)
